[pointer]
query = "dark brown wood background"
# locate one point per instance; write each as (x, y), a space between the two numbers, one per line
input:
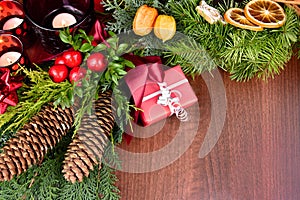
(256, 157)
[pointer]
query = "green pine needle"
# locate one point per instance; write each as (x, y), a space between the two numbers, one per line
(192, 57)
(39, 91)
(244, 54)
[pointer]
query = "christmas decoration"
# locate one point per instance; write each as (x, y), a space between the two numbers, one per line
(209, 13)
(97, 62)
(265, 13)
(58, 73)
(87, 149)
(164, 27)
(29, 145)
(42, 130)
(144, 20)
(8, 89)
(256, 15)
(236, 17)
(58, 140)
(243, 54)
(159, 93)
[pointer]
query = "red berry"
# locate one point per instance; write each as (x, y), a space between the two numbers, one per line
(97, 62)
(58, 73)
(72, 58)
(59, 61)
(94, 43)
(76, 74)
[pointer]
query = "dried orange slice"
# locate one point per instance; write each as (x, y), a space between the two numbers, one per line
(236, 17)
(265, 13)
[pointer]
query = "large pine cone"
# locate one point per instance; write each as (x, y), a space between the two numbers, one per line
(30, 144)
(87, 149)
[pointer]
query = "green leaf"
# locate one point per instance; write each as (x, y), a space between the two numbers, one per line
(64, 37)
(114, 65)
(107, 76)
(112, 34)
(111, 52)
(116, 58)
(57, 102)
(99, 47)
(70, 94)
(128, 63)
(86, 47)
(121, 49)
(115, 79)
(121, 72)
(112, 42)
(78, 91)
(85, 83)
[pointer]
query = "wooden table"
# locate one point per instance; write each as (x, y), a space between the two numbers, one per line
(256, 157)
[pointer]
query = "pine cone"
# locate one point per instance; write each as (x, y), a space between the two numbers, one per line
(87, 148)
(30, 144)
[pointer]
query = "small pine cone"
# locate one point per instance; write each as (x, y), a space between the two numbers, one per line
(30, 144)
(87, 149)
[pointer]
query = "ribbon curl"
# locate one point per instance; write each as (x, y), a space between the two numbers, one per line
(166, 99)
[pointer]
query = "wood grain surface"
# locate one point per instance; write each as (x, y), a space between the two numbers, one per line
(256, 157)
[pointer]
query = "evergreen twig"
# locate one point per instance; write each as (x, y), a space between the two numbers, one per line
(39, 91)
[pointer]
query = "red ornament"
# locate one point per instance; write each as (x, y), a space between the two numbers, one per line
(18, 31)
(8, 89)
(72, 58)
(97, 62)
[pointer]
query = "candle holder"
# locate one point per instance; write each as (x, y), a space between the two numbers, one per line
(48, 17)
(11, 52)
(12, 21)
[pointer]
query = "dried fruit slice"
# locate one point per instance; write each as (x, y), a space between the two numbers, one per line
(265, 13)
(236, 17)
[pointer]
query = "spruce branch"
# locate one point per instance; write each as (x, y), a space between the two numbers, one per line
(192, 57)
(244, 54)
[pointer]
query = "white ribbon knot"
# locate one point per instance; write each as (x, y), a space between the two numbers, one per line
(173, 103)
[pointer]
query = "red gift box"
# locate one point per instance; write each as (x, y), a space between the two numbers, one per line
(155, 107)
(158, 93)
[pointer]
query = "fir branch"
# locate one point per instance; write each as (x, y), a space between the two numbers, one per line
(192, 57)
(244, 54)
(108, 190)
(41, 90)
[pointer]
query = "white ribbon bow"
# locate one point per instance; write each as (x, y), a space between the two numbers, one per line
(172, 102)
